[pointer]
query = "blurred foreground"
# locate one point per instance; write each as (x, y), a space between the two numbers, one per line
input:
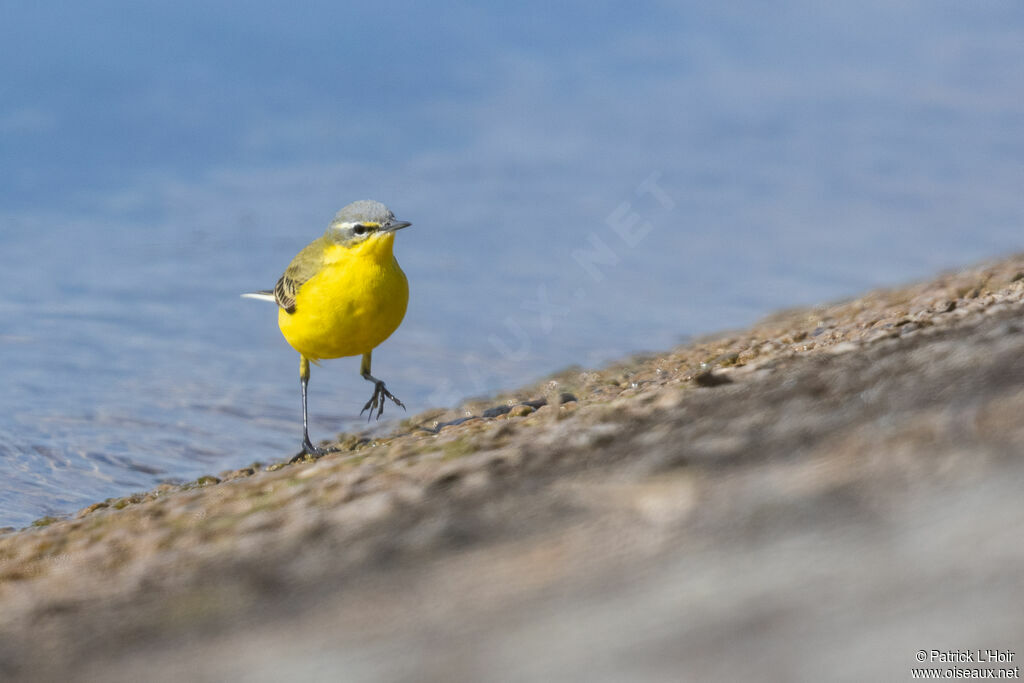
(818, 497)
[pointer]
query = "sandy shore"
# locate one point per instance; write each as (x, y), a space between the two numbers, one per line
(817, 497)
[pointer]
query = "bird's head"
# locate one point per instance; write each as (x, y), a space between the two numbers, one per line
(365, 224)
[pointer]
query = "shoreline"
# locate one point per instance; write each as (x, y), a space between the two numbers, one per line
(567, 490)
(966, 285)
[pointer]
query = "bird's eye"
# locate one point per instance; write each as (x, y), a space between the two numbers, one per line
(359, 229)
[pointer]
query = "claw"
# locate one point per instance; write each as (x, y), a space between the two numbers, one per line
(377, 401)
(315, 452)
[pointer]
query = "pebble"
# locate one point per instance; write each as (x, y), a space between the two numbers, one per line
(496, 411)
(595, 435)
(843, 347)
(92, 508)
(710, 378)
(995, 309)
(237, 474)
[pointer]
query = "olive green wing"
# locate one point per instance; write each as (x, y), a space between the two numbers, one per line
(304, 266)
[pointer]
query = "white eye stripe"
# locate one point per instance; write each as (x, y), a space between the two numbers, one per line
(353, 232)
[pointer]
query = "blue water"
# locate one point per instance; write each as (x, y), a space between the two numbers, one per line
(585, 181)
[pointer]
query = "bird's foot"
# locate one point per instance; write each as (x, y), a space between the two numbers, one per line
(315, 452)
(377, 401)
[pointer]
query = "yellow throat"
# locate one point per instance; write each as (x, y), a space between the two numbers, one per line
(353, 303)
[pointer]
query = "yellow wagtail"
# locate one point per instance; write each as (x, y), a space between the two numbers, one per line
(343, 295)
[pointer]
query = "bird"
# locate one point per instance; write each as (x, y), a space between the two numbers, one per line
(343, 295)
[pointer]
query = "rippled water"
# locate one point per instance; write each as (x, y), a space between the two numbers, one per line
(576, 195)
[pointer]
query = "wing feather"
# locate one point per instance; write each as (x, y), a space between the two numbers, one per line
(303, 267)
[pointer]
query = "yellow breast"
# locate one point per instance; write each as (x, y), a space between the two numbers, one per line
(356, 300)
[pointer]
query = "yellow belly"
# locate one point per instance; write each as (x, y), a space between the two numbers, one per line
(347, 309)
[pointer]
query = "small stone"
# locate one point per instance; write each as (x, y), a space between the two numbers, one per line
(522, 411)
(496, 411)
(668, 399)
(996, 308)
(709, 378)
(595, 435)
(728, 359)
(92, 508)
(503, 430)
(843, 347)
(457, 421)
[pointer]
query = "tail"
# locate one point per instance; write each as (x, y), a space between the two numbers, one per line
(262, 295)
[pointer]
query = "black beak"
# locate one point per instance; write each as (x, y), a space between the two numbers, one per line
(397, 225)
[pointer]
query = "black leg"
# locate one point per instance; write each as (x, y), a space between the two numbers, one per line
(307, 446)
(380, 392)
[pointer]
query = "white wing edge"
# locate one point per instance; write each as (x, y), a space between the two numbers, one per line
(262, 296)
